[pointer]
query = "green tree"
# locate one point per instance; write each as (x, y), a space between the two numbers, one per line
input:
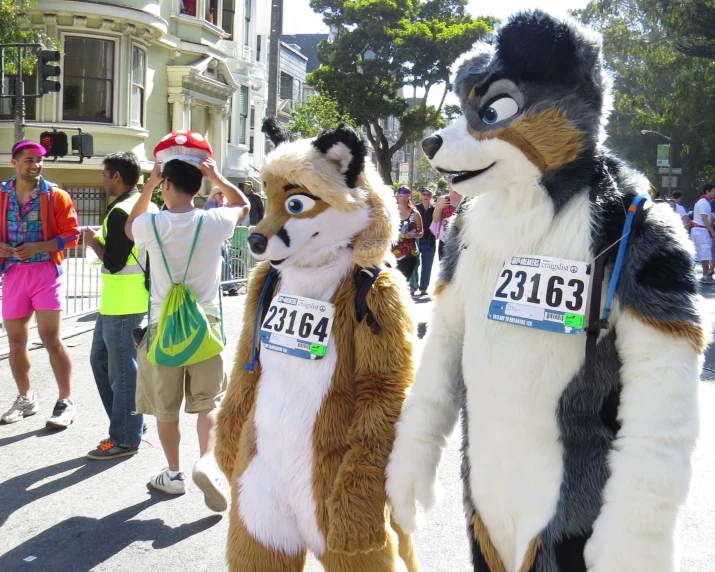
(656, 87)
(427, 176)
(384, 45)
(311, 118)
(16, 28)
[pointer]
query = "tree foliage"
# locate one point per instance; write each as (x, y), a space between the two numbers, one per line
(15, 28)
(656, 87)
(320, 112)
(382, 46)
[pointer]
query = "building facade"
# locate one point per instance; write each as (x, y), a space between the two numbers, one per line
(293, 75)
(133, 70)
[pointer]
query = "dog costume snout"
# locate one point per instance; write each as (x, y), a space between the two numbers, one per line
(431, 145)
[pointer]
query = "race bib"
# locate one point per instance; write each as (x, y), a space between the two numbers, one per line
(298, 326)
(543, 293)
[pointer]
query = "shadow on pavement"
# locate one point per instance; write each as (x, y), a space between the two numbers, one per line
(81, 543)
(14, 493)
(43, 432)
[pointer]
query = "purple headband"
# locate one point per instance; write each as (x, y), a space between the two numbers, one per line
(404, 191)
(28, 144)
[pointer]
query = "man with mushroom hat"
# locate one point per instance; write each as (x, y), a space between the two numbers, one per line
(183, 160)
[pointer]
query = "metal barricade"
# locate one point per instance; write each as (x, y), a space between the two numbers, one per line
(84, 285)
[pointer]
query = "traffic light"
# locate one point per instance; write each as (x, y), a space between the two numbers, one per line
(55, 142)
(48, 71)
(83, 145)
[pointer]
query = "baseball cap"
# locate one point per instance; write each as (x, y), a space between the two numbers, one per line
(426, 190)
(20, 145)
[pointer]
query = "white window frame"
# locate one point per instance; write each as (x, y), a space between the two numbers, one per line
(131, 121)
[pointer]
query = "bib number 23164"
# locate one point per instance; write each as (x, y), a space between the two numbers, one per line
(298, 326)
(543, 293)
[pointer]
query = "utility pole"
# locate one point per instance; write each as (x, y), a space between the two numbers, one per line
(274, 60)
(19, 98)
(412, 145)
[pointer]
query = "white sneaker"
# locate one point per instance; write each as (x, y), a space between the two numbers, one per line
(205, 475)
(23, 407)
(172, 485)
(62, 415)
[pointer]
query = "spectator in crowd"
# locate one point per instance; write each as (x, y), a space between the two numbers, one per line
(405, 249)
(217, 199)
(444, 211)
(427, 245)
(160, 389)
(702, 232)
(677, 198)
(256, 213)
(38, 221)
(122, 307)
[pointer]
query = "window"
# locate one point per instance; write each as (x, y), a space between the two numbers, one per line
(253, 127)
(227, 16)
(286, 86)
(243, 115)
(7, 106)
(247, 23)
(188, 7)
(258, 48)
(89, 80)
(138, 86)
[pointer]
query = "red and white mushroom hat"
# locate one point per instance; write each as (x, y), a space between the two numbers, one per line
(183, 145)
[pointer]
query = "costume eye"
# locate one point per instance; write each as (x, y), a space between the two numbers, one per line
(299, 204)
(499, 110)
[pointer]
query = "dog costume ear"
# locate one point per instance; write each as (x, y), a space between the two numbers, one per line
(345, 146)
(536, 46)
(274, 131)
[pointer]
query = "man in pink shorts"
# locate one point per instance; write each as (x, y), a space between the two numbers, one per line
(38, 221)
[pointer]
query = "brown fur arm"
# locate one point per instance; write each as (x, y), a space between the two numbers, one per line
(242, 386)
(384, 370)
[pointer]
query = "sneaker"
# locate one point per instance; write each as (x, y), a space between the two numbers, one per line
(233, 292)
(108, 450)
(62, 415)
(708, 281)
(23, 407)
(205, 475)
(172, 485)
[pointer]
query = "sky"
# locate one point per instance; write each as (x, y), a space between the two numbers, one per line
(298, 18)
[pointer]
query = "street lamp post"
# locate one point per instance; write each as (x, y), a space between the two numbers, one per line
(670, 157)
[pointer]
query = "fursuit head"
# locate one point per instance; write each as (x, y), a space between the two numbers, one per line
(306, 429)
(562, 470)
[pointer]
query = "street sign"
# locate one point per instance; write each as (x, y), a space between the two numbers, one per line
(672, 184)
(404, 167)
(663, 157)
(404, 178)
(665, 171)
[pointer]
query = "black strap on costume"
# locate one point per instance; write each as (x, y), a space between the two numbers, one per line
(597, 322)
(269, 286)
(364, 279)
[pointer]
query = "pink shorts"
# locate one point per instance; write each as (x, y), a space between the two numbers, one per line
(28, 287)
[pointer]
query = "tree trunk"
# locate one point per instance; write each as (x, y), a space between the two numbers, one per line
(384, 164)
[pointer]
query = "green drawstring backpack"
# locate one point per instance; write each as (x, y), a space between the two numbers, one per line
(184, 334)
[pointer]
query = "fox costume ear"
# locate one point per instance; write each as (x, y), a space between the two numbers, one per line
(274, 131)
(536, 47)
(345, 146)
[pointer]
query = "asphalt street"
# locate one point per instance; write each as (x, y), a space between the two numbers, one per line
(60, 512)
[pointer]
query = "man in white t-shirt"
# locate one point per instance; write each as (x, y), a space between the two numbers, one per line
(160, 389)
(702, 232)
(677, 198)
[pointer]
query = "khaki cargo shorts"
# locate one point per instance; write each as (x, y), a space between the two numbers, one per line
(161, 389)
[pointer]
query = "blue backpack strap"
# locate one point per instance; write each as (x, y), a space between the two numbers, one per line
(264, 302)
(599, 322)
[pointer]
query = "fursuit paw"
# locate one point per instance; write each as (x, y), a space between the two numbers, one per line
(412, 481)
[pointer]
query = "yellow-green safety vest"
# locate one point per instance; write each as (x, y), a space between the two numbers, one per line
(124, 292)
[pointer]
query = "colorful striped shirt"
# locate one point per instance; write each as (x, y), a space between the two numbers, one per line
(24, 225)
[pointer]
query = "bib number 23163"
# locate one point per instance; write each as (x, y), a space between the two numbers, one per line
(298, 326)
(543, 293)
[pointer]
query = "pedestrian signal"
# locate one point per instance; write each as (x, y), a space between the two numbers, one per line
(55, 142)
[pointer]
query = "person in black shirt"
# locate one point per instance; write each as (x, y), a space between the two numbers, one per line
(256, 213)
(427, 244)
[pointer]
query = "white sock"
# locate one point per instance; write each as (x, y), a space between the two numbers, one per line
(172, 474)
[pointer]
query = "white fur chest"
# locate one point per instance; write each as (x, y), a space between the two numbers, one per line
(515, 375)
(290, 395)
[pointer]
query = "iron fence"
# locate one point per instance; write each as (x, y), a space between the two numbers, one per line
(84, 285)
